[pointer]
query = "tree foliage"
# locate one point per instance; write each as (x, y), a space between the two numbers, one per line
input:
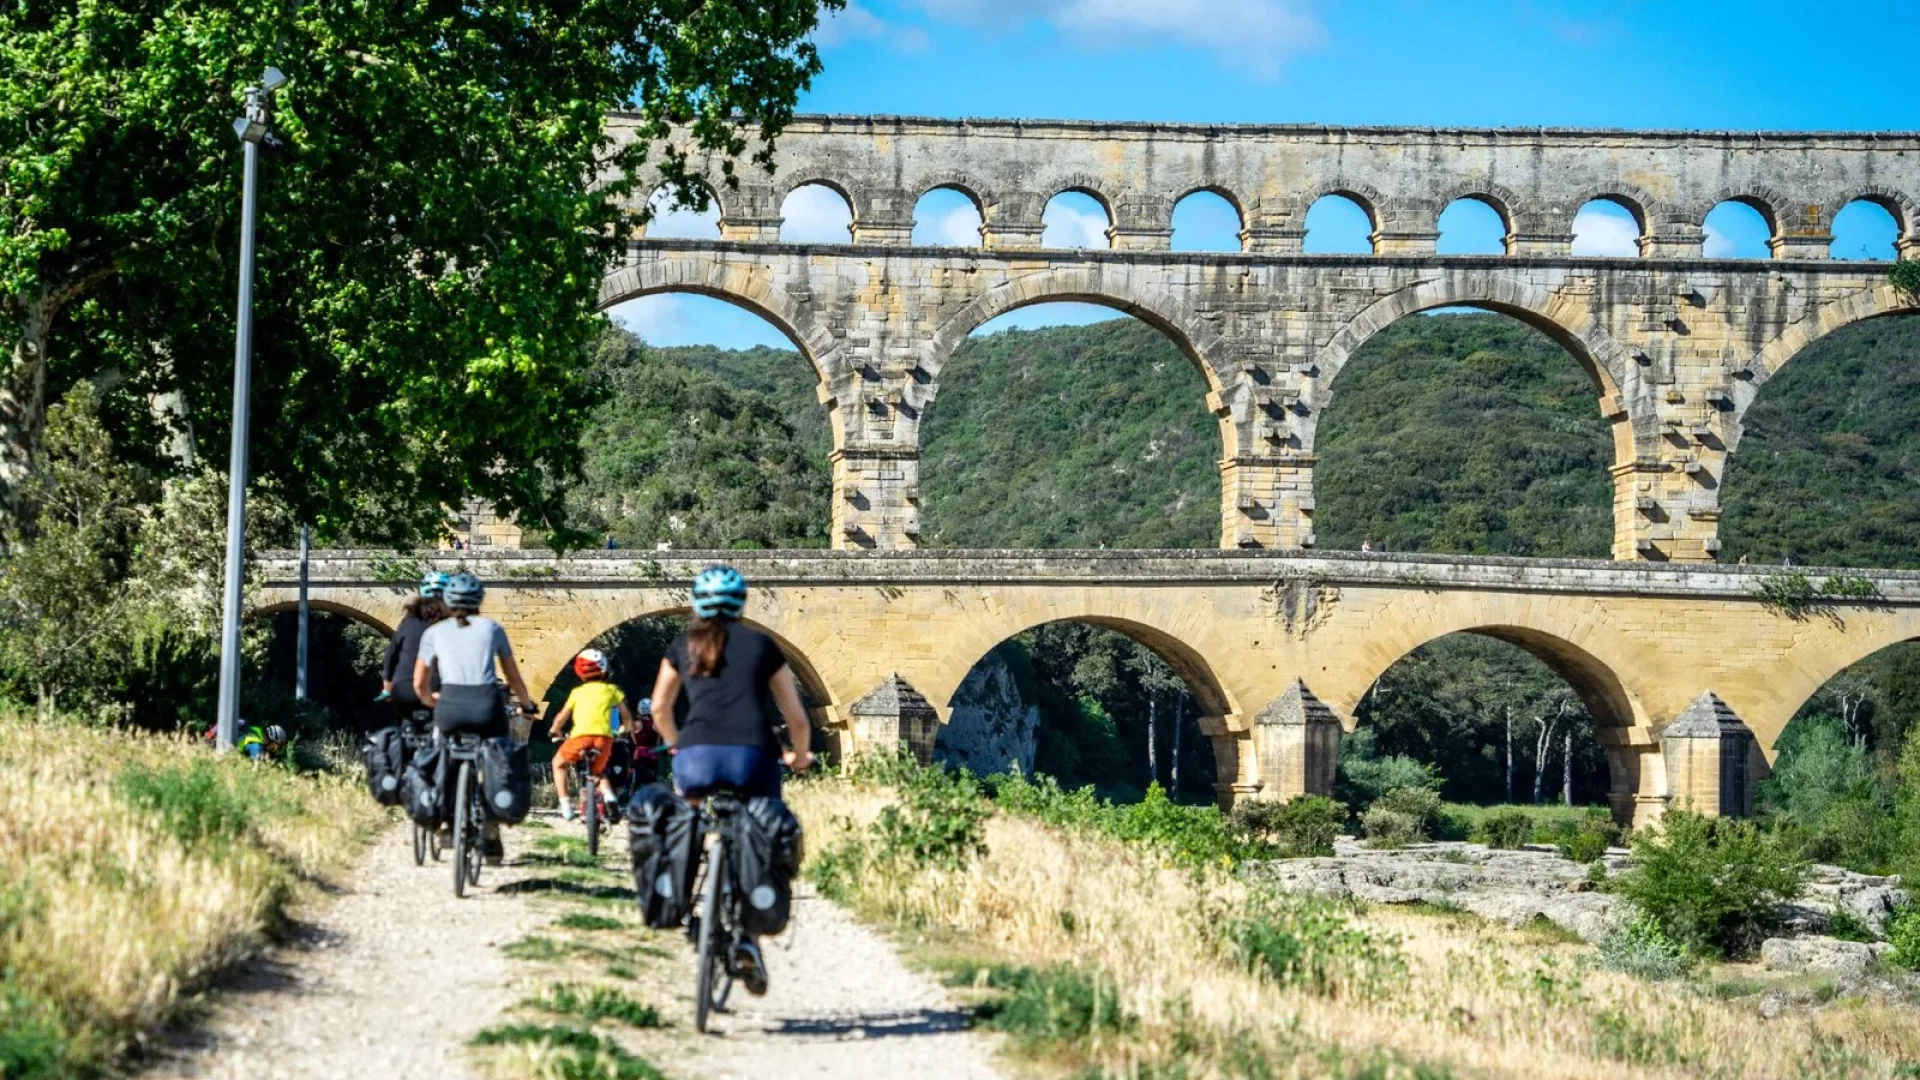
(431, 244)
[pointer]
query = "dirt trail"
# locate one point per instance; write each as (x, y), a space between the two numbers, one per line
(391, 982)
(396, 975)
(841, 1004)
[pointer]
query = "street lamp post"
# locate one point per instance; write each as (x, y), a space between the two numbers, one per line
(252, 129)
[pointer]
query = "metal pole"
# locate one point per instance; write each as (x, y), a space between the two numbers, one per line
(300, 659)
(229, 722)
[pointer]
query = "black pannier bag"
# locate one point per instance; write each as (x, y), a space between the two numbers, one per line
(427, 800)
(766, 858)
(506, 781)
(663, 834)
(385, 755)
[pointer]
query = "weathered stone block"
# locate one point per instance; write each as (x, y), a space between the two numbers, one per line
(1296, 739)
(891, 716)
(1709, 755)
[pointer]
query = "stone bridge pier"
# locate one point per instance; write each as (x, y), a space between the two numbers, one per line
(1688, 676)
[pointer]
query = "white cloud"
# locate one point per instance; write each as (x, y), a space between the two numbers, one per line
(1605, 230)
(815, 214)
(672, 222)
(1072, 226)
(660, 318)
(1259, 35)
(1718, 245)
(856, 22)
(957, 226)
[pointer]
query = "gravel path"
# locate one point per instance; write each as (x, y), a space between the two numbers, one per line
(397, 974)
(841, 1005)
(392, 981)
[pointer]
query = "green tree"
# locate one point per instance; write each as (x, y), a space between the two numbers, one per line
(63, 585)
(431, 245)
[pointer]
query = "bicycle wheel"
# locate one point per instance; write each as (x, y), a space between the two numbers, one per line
(419, 845)
(477, 848)
(433, 844)
(708, 961)
(463, 837)
(590, 810)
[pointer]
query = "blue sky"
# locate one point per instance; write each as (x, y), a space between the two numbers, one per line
(1628, 63)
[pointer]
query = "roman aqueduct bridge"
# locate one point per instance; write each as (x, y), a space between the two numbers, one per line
(1678, 345)
(1276, 647)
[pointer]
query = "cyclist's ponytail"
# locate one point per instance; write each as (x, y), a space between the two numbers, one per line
(706, 642)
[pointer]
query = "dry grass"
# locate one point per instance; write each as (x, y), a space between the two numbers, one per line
(1474, 1000)
(132, 869)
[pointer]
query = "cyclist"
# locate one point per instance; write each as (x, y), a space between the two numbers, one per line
(264, 743)
(404, 648)
(594, 709)
(735, 678)
(459, 654)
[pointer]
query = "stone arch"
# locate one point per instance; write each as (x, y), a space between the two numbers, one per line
(1868, 303)
(803, 667)
(1109, 285)
(708, 273)
(975, 189)
(1635, 200)
(1504, 201)
(331, 607)
(1367, 197)
(1827, 651)
(713, 197)
(1568, 324)
(800, 180)
(1769, 204)
(1227, 193)
(1902, 207)
(1083, 184)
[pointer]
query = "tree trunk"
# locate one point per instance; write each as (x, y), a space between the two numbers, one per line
(1509, 716)
(1173, 782)
(1566, 768)
(1153, 760)
(23, 400)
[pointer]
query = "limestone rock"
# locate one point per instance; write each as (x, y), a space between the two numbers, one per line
(990, 726)
(1820, 955)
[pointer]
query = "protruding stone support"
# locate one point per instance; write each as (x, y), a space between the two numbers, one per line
(1267, 501)
(877, 231)
(1140, 238)
(1559, 244)
(893, 716)
(1404, 242)
(1667, 511)
(1296, 740)
(1710, 760)
(876, 497)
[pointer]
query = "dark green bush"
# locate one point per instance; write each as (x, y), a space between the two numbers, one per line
(1903, 933)
(1190, 834)
(1365, 780)
(1054, 1004)
(1506, 829)
(1299, 827)
(1642, 948)
(1299, 941)
(1387, 828)
(1713, 885)
(1847, 926)
(1584, 847)
(1421, 804)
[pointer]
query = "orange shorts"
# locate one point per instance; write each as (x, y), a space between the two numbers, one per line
(573, 749)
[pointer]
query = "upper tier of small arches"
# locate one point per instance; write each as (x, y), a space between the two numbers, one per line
(1544, 193)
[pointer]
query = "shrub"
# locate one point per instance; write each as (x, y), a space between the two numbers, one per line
(590, 1004)
(201, 803)
(1299, 827)
(1584, 847)
(1903, 933)
(1055, 1004)
(1641, 948)
(1421, 804)
(1389, 828)
(1506, 829)
(1299, 941)
(1847, 926)
(1714, 886)
(1363, 780)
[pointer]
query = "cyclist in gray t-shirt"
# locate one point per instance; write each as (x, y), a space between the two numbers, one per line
(463, 651)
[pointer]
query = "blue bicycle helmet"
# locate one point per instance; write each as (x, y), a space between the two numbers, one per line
(464, 591)
(433, 584)
(719, 591)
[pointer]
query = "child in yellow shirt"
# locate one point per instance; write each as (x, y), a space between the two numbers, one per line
(592, 707)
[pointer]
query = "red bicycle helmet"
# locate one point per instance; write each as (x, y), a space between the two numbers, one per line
(590, 664)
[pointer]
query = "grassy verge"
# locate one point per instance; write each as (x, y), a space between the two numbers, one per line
(133, 869)
(1107, 956)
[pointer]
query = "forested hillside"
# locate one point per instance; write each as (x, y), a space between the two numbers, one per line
(1453, 433)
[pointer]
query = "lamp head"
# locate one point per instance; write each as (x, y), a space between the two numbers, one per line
(272, 80)
(249, 129)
